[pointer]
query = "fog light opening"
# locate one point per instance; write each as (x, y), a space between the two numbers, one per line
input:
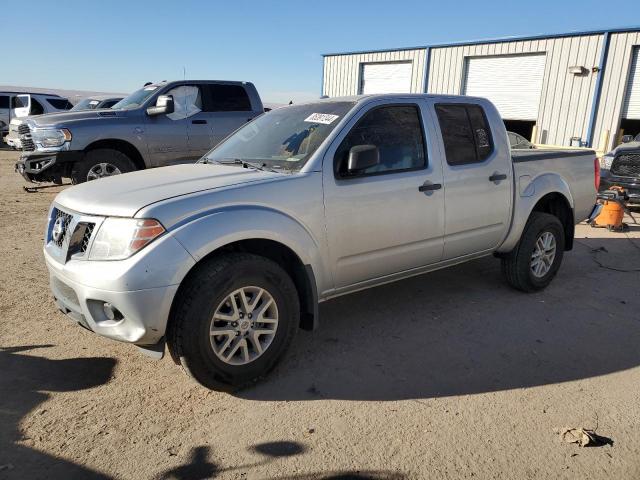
(111, 312)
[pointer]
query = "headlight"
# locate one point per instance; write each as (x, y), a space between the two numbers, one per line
(119, 238)
(50, 137)
(606, 161)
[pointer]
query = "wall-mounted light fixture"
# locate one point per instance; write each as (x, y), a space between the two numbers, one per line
(578, 70)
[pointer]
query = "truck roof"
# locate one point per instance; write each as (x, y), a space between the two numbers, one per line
(360, 98)
(30, 93)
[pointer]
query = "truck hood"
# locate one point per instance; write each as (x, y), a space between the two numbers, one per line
(65, 118)
(124, 195)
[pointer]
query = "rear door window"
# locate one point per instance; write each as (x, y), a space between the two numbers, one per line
(465, 133)
(226, 98)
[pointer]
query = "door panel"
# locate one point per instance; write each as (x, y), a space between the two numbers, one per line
(166, 140)
(382, 223)
(478, 210)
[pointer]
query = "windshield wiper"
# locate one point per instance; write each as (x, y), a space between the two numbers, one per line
(244, 163)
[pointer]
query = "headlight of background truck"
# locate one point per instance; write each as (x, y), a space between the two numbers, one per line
(119, 238)
(50, 137)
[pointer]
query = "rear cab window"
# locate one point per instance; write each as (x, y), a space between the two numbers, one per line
(465, 132)
(4, 101)
(397, 132)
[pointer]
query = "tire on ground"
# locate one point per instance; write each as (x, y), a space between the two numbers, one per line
(92, 158)
(516, 265)
(188, 336)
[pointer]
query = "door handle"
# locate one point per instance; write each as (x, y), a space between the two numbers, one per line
(199, 122)
(496, 177)
(427, 187)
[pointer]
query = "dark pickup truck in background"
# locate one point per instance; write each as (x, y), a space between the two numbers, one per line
(621, 167)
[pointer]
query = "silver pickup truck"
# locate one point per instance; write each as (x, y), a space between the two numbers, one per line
(225, 259)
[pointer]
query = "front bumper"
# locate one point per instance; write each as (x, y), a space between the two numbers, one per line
(46, 167)
(81, 288)
(630, 184)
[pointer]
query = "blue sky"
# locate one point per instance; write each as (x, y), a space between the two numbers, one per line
(116, 46)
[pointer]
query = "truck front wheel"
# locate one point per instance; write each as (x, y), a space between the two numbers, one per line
(99, 163)
(536, 259)
(233, 319)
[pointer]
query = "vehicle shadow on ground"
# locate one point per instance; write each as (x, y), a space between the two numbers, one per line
(23, 381)
(201, 465)
(464, 331)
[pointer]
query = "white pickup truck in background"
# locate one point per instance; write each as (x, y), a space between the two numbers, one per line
(225, 259)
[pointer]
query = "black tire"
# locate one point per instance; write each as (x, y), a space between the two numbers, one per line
(516, 265)
(81, 169)
(188, 335)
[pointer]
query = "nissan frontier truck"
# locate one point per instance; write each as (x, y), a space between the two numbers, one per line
(224, 260)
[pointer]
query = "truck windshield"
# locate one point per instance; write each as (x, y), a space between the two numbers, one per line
(284, 138)
(136, 99)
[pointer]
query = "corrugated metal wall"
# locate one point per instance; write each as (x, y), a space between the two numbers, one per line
(614, 84)
(341, 74)
(565, 102)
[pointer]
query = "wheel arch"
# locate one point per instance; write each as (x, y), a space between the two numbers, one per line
(121, 146)
(301, 274)
(547, 193)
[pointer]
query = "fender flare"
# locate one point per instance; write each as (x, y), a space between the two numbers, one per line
(216, 229)
(528, 194)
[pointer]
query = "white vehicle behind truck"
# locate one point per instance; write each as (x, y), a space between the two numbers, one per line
(16, 106)
(225, 259)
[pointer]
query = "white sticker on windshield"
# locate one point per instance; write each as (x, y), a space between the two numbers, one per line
(325, 118)
(150, 88)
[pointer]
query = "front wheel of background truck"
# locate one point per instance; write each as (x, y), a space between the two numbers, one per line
(233, 319)
(533, 263)
(99, 163)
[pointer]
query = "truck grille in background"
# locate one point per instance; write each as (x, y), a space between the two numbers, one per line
(25, 137)
(626, 165)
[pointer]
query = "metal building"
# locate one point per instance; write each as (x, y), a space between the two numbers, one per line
(579, 88)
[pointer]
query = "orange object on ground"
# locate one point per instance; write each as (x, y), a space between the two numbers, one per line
(614, 202)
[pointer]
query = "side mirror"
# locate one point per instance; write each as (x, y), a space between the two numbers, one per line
(164, 104)
(627, 138)
(362, 157)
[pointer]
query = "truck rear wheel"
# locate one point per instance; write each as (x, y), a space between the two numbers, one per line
(233, 320)
(536, 259)
(100, 163)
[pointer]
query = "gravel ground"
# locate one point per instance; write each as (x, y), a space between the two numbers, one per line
(449, 375)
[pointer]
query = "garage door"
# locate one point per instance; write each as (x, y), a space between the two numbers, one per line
(513, 83)
(631, 109)
(386, 77)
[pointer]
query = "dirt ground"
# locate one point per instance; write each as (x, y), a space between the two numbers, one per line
(449, 375)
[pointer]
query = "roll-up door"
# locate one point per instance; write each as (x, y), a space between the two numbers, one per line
(631, 108)
(392, 77)
(512, 82)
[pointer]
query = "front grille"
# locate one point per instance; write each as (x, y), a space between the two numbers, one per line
(25, 138)
(86, 237)
(60, 229)
(626, 165)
